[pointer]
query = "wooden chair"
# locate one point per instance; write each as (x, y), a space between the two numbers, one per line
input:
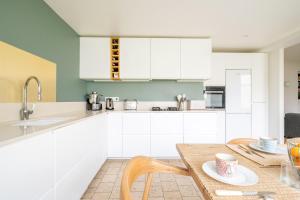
(142, 165)
(244, 141)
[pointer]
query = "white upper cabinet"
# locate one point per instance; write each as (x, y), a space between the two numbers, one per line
(165, 58)
(94, 58)
(195, 59)
(135, 58)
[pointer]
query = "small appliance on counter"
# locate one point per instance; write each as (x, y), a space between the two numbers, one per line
(130, 104)
(109, 104)
(93, 101)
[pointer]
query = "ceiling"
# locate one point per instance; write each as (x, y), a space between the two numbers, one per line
(292, 53)
(232, 24)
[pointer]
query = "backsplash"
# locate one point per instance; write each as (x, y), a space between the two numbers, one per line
(148, 91)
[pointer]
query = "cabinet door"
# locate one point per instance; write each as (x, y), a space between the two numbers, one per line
(195, 58)
(238, 126)
(217, 70)
(134, 145)
(135, 58)
(165, 145)
(27, 170)
(166, 123)
(136, 124)
(71, 142)
(259, 120)
(94, 58)
(200, 128)
(165, 58)
(115, 137)
(259, 77)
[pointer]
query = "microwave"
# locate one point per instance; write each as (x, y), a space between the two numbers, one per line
(214, 96)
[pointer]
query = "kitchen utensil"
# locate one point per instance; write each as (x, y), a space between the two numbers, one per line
(243, 176)
(130, 104)
(264, 194)
(249, 151)
(277, 150)
(109, 104)
(226, 164)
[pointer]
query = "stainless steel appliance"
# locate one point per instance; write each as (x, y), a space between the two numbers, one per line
(164, 109)
(130, 104)
(93, 101)
(109, 104)
(214, 97)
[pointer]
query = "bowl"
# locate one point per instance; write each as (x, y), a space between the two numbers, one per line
(293, 146)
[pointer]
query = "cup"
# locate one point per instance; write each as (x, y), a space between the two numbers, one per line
(267, 143)
(226, 164)
(290, 174)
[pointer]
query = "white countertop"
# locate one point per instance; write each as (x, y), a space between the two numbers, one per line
(10, 133)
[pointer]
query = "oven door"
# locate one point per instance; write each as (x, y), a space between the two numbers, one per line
(214, 99)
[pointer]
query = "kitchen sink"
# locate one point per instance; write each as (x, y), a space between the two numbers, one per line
(41, 122)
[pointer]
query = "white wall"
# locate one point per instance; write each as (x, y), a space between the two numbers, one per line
(291, 103)
(276, 94)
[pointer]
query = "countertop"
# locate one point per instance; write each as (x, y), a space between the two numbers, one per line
(10, 133)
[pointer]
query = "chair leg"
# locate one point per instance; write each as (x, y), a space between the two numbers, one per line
(147, 186)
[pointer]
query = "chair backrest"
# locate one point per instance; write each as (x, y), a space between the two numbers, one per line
(142, 165)
(245, 141)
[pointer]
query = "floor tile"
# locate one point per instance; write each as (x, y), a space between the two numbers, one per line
(107, 182)
(101, 196)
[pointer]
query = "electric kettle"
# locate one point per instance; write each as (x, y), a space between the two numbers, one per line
(109, 104)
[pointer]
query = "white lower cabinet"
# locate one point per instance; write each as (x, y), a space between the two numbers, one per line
(165, 145)
(27, 170)
(166, 132)
(238, 126)
(134, 145)
(80, 151)
(115, 137)
(136, 134)
(204, 128)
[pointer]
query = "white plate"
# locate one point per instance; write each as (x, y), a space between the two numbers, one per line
(278, 150)
(244, 176)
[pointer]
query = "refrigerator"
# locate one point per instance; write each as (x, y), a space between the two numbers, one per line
(238, 103)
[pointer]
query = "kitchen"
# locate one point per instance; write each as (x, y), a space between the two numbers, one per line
(108, 97)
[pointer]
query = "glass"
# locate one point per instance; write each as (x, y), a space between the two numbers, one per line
(214, 100)
(290, 174)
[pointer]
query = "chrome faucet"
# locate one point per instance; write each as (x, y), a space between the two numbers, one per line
(25, 112)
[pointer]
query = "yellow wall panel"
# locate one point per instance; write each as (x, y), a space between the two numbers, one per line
(16, 66)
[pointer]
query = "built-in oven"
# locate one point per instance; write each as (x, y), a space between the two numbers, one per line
(214, 96)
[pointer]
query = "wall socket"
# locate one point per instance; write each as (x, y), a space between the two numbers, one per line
(113, 98)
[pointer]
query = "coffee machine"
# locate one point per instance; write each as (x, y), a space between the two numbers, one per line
(93, 101)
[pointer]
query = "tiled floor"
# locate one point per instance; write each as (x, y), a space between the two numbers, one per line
(106, 184)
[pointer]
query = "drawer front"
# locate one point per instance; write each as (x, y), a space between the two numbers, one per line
(165, 145)
(167, 123)
(200, 123)
(136, 123)
(134, 145)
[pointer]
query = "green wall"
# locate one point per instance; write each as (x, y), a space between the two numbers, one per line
(148, 91)
(32, 26)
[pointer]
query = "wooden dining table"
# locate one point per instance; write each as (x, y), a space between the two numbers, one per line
(194, 155)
